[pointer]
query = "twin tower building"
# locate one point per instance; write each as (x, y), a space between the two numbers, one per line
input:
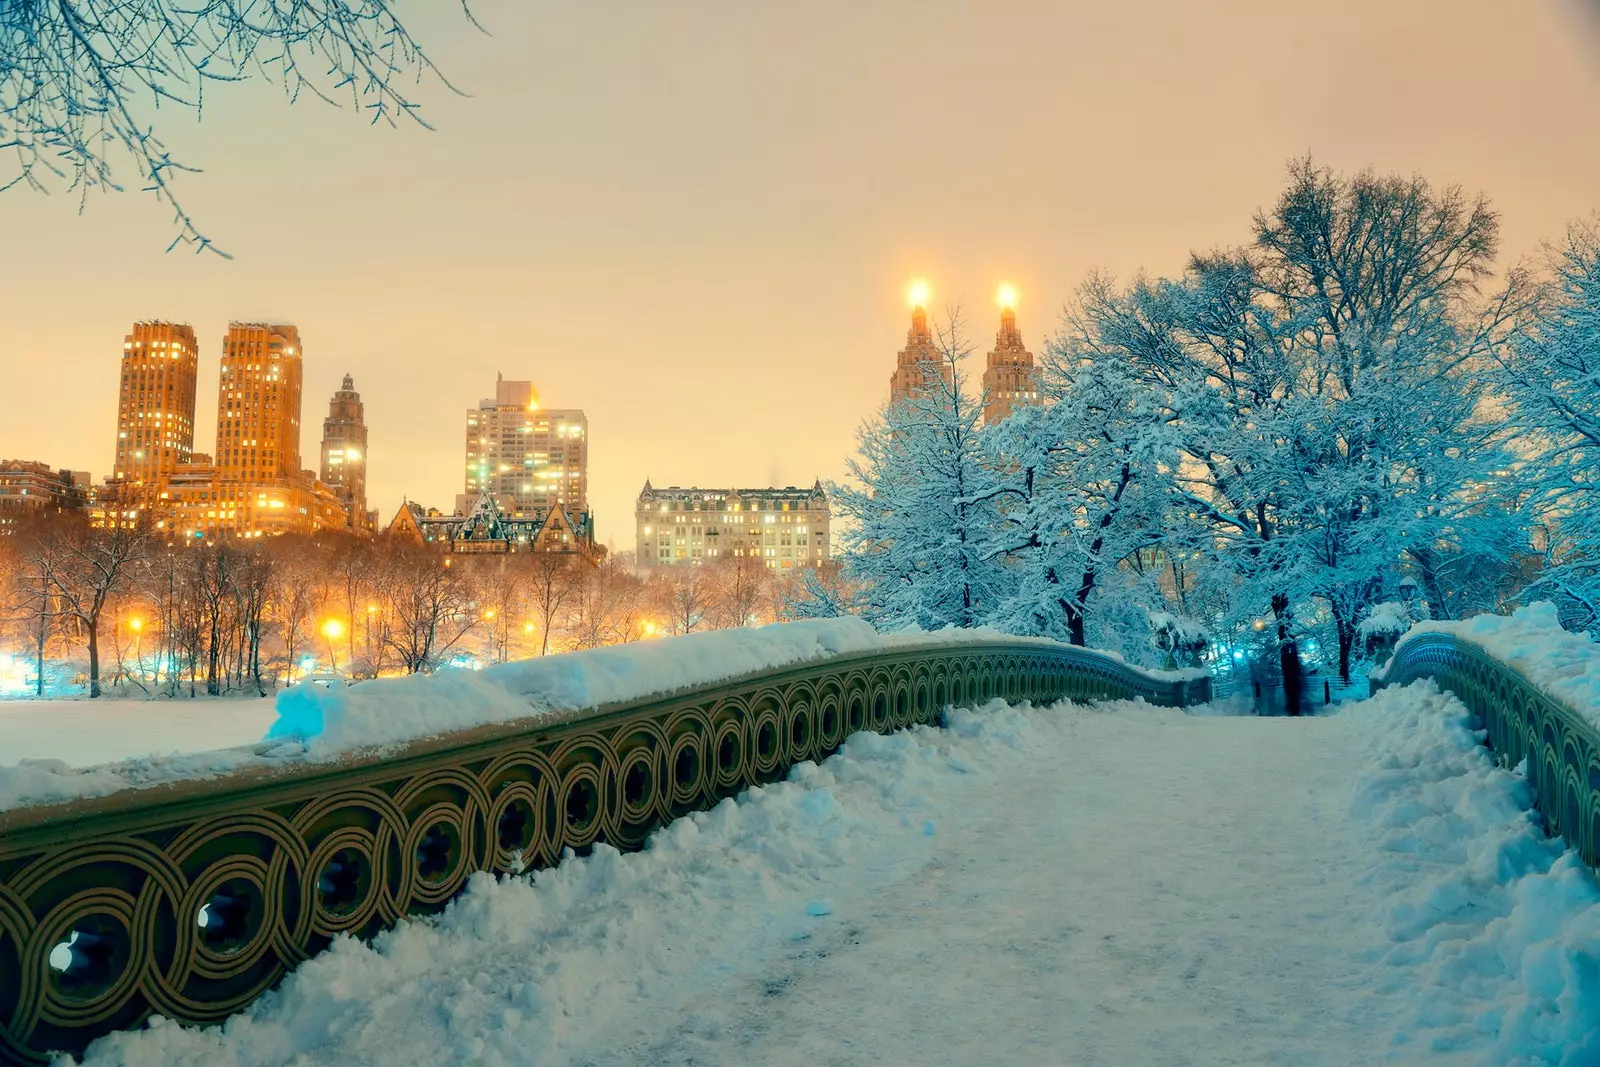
(254, 485)
(1009, 378)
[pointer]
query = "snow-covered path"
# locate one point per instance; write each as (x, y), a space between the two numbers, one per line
(1092, 903)
(1108, 886)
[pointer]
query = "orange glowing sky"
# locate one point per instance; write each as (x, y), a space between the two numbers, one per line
(698, 220)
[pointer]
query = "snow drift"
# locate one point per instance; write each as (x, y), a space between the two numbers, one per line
(1531, 641)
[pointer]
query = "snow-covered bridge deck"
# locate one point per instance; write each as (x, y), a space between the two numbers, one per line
(1109, 886)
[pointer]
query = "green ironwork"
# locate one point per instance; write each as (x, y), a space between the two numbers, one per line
(189, 900)
(1521, 722)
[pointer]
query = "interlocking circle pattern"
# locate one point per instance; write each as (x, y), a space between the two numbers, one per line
(139, 903)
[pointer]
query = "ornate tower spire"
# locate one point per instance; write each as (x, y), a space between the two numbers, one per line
(920, 358)
(1009, 379)
(344, 452)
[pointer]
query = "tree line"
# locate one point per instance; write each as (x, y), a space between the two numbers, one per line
(1270, 444)
(132, 613)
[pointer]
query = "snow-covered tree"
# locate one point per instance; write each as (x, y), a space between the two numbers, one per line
(1081, 483)
(916, 513)
(1551, 377)
(1314, 374)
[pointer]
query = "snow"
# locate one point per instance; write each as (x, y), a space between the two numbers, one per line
(1360, 888)
(71, 749)
(1561, 663)
(375, 714)
(86, 732)
(164, 741)
(1390, 618)
(389, 711)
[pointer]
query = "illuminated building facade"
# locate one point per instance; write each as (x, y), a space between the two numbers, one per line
(920, 359)
(155, 403)
(344, 452)
(29, 489)
(1009, 380)
(784, 528)
(253, 486)
(532, 460)
(487, 530)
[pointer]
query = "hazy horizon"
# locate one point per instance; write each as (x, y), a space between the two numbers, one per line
(697, 223)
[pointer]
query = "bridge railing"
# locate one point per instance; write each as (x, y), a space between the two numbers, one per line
(1522, 722)
(190, 899)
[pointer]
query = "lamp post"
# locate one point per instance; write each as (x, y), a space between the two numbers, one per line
(372, 609)
(332, 629)
(136, 624)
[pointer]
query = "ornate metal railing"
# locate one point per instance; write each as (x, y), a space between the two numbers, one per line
(1522, 722)
(189, 900)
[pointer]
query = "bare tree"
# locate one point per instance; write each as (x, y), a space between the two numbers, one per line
(553, 579)
(684, 596)
(605, 609)
(430, 607)
(738, 586)
(252, 585)
(86, 569)
(38, 551)
(77, 76)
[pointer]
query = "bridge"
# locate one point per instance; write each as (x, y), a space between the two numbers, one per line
(191, 899)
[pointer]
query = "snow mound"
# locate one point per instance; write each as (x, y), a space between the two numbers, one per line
(1388, 618)
(392, 711)
(53, 781)
(320, 724)
(389, 711)
(1563, 664)
(1492, 927)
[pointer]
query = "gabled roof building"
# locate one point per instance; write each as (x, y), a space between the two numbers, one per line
(490, 528)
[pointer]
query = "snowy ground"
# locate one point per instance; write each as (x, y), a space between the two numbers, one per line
(1112, 886)
(83, 733)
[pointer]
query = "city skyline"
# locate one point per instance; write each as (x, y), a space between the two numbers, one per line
(763, 259)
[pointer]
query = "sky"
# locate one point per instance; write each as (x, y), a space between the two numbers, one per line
(697, 220)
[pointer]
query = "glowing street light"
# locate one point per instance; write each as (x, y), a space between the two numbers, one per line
(917, 294)
(136, 624)
(332, 629)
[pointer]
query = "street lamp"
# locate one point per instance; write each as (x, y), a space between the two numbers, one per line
(136, 624)
(332, 629)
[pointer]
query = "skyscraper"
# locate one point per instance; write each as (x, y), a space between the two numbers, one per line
(258, 403)
(1009, 381)
(254, 485)
(920, 358)
(530, 459)
(155, 404)
(344, 452)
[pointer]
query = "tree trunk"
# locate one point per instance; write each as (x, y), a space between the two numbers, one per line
(1075, 627)
(1344, 626)
(1288, 656)
(94, 658)
(38, 658)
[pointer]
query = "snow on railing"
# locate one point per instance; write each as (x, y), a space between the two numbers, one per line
(1536, 689)
(192, 897)
(323, 723)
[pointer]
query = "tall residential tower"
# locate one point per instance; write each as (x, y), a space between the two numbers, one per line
(344, 452)
(155, 404)
(258, 403)
(530, 459)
